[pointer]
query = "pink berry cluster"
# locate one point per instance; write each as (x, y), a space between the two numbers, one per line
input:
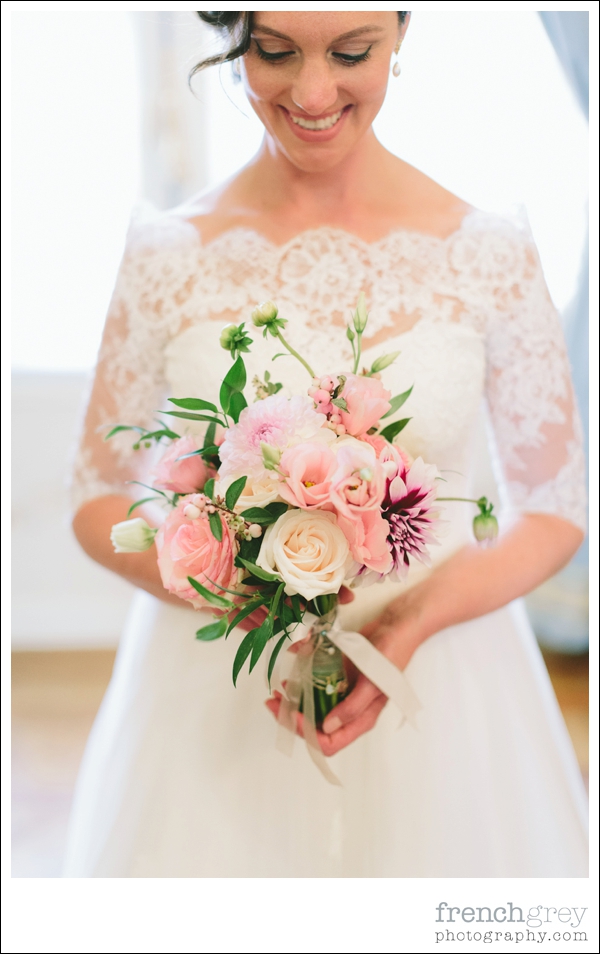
(201, 506)
(324, 392)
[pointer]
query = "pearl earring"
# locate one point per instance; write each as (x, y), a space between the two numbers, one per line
(396, 67)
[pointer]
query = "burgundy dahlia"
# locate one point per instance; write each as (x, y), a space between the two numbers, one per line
(408, 508)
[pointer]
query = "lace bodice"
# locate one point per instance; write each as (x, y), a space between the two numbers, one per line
(470, 314)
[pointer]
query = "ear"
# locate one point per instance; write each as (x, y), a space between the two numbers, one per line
(404, 28)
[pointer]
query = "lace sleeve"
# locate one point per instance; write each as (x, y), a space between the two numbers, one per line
(129, 383)
(533, 411)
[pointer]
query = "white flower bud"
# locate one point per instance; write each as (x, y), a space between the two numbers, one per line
(264, 313)
(360, 315)
(383, 362)
(191, 512)
(270, 455)
(255, 530)
(132, 536)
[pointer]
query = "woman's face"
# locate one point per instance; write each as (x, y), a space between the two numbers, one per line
(317, 80)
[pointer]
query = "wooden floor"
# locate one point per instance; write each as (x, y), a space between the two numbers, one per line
(55, 698)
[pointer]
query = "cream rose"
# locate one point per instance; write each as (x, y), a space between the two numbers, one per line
(308, 550)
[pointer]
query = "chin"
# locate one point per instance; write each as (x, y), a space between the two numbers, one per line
(320, 157)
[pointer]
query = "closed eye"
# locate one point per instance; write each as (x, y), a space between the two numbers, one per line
(272, 57)
(349, 59)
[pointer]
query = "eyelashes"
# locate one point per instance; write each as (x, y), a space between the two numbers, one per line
(346, 59)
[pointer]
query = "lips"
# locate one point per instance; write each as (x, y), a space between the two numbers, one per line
(317, 128)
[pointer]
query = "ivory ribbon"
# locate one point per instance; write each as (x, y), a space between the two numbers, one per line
(375, 666)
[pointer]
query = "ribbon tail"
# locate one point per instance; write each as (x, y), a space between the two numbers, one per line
(379, 670)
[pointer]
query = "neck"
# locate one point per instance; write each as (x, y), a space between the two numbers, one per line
(281, 188)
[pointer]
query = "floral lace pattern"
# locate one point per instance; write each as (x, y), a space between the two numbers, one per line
(470, 313)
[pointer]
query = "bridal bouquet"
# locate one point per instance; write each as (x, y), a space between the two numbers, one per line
(286, 499)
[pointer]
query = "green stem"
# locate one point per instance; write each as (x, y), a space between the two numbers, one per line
(358, 351)
(463, 499)
(295, 354)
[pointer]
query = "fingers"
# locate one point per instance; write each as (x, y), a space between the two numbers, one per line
(345, 595)
(330, 744)
(353, 706)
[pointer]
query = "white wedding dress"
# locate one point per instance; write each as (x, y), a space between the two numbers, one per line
(181, 776)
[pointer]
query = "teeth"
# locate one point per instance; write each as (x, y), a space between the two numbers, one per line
(326, 123)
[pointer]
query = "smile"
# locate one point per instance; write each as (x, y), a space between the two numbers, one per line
(327, 123)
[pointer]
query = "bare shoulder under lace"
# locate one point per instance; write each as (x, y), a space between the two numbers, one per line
(484, 283)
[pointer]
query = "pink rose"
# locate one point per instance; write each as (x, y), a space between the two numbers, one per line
(309, 468)
(378, 443)
(357, 490)
(367, 401)
(182, 476)
(367, 535)
(187, 547)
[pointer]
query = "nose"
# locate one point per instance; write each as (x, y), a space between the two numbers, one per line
(314, 89)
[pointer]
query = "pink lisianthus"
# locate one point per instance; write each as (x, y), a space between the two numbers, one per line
(357, 489)
(186, 547)
(308, 469)
(182, 476)
(367, 401)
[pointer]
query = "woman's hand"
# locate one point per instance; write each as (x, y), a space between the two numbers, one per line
(395, 637)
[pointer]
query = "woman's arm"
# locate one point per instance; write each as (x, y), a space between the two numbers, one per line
(471, 583)
(92, 525)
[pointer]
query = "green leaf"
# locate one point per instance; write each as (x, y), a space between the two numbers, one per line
(139, 503)
(236, 376)
(209, 488)
(250, 606)
(392, 430)
(213, 630)
(124, 427)
(213, 598)
(260, 573)
(225, 397)
(340, 402)
(216, 526)
(148, 487)
(297, 608)
(203, 452)
(249, 550)
(259, 515)
(234, 491)
(188, 416)
(397, 402)
(277, 508)
(277, 599)
(263, 635)
(237, 404)
(209, 437)
(243, 653)
(193, 404)
(274, 656)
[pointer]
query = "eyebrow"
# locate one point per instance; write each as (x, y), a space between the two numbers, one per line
(344, 36)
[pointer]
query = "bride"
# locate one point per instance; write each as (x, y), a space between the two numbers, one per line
(181, 776)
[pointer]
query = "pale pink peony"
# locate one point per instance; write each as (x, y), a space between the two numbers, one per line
(182, 476)
(309, 468)
(187, 547)
(367, 402)
(277, 421)
(367, 535)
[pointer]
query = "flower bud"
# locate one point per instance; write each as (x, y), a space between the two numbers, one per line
(485, 528)
(234, 339)
(383, 362)
(191, 511)
(360, 315)
(264, 313)
(270, 455)
(132, 536)
(255, 530)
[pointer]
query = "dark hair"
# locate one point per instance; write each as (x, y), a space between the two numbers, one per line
(236, 26)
